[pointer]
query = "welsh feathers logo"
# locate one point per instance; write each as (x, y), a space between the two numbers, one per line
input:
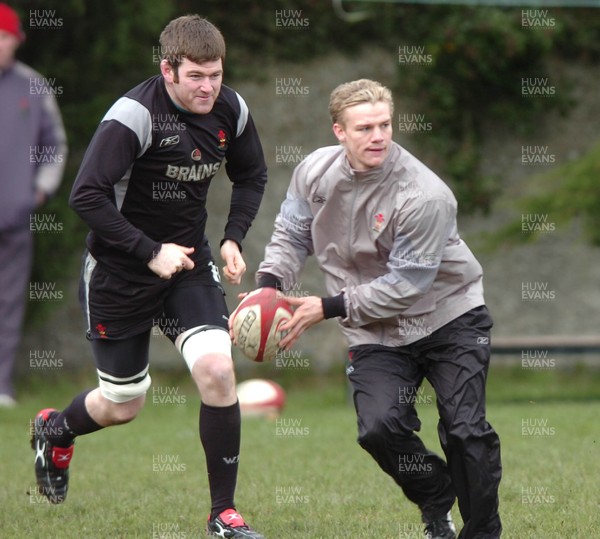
(222, 139)
(101, 329)
(378, 220)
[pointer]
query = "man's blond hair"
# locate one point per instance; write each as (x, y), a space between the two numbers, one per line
(355, 93)
(191, 37)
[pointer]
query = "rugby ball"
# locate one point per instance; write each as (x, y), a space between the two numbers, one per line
(257, 321)
(260, 397)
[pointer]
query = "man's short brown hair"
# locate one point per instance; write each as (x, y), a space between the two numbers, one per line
(191, 37)
(355, 93)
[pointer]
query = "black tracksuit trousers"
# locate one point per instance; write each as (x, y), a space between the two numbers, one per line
(386, 385)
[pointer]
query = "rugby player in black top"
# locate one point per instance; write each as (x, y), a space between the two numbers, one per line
(142, 190)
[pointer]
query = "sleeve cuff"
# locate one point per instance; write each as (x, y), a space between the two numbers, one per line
(147, 250)
(267, 280)
(233, 240)
(234, 233)
(334, 306)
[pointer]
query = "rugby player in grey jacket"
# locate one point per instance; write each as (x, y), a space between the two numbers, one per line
(408, 295)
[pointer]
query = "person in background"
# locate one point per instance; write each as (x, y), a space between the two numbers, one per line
(33, 152)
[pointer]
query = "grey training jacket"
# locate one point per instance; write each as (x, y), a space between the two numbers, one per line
(385, 238)
(33, 146)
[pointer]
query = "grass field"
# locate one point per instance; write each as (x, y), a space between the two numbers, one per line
(303, 476)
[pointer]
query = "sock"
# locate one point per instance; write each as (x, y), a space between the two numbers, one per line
(220, 433)
(73, 421)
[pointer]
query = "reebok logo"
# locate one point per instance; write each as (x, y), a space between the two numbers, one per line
(483, 340)
(169, 141)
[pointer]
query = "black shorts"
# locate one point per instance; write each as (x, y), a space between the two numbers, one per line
(118, 309)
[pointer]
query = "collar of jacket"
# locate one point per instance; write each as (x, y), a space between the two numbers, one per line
(371, 174)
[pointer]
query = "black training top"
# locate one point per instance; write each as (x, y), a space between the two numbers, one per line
(144, 178)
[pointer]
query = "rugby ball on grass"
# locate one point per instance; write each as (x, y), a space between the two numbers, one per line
(257, 321)
(260, 398)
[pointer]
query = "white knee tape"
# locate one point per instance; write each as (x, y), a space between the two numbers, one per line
(199, 341)
(121, 390)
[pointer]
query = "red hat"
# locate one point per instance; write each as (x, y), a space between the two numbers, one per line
(9, 22)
